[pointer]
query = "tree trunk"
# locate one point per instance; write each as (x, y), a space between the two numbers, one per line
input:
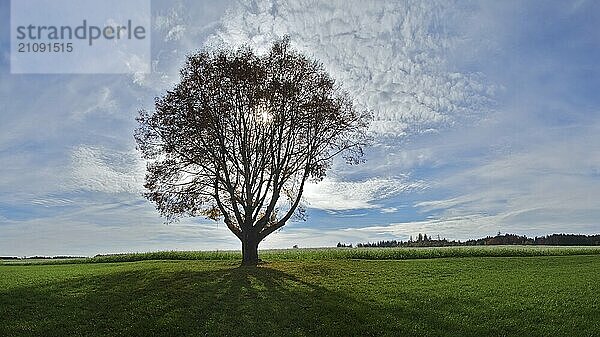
(249, 249)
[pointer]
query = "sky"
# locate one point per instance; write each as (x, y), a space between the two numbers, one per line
(486, 120)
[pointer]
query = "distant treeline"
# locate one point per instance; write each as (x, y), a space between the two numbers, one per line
(422, 240)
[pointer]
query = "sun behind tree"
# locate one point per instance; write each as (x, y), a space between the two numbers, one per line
(239, 136)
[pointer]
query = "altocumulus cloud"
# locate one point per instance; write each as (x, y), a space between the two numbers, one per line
(391, 57)
(101, 170)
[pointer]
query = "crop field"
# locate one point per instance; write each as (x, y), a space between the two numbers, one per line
(334, 254)
(459, 291)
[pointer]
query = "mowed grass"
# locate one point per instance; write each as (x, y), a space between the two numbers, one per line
(470, 296)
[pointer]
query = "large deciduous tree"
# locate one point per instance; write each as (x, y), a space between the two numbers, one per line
(239, 136)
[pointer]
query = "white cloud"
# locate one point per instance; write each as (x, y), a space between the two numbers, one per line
(170, 24)
(115, 225)
(103, 170)
(452, 228)
(104, 103)
(389, 210)
(330, 194)
(550, 182)
(179, 28)
(51, 201)
(390, 56)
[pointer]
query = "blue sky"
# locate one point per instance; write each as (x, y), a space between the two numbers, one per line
(487, 120)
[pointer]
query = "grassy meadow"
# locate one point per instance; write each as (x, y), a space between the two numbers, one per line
(459, 291)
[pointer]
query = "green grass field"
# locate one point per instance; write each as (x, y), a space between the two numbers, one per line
(309, 293)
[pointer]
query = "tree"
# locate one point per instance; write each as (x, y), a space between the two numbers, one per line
(240, 135)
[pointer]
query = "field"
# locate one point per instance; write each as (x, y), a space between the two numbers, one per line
(335, 254)
(337, 292)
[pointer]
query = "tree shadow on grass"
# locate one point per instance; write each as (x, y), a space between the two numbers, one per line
(232, 301)
(241, 301)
